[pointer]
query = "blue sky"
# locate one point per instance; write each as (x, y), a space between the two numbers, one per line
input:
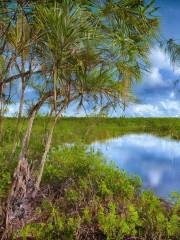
(157, 94)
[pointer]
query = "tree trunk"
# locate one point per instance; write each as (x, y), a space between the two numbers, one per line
(24, 189)
(1, 107)
(22, 98)
(16, 138)
(47, 148)
(43, 160)
(20, 197)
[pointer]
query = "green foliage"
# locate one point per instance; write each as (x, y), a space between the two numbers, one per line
(5, 182)
(92, 199)
(87, 50)
(118, 225)
(173, 225)
(6, 169)
(58, 226)
(155, 217)
(86, 130)
(87, 215)
(87, 192)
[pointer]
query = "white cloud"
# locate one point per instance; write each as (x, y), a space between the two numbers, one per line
(158, 102)
(163, 108)
(177, 70)
(143, 110)
(170, 107)
(154, 78)
(12, 110)
(159, 59)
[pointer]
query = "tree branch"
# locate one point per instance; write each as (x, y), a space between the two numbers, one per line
(19, 75)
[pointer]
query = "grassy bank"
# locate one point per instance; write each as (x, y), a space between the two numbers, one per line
(82, 196)
(85, 130)
(90, 129)
(78, 130)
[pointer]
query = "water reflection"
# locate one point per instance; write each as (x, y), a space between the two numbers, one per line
(156, 160)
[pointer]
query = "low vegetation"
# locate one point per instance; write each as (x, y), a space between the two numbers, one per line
(54, 54)
(84, 197)
(75, 129)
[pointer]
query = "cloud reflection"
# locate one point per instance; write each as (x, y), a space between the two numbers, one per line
(156, 160)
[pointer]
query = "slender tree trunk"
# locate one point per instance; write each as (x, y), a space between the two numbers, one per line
(27, 135)
(24, 188)
(48, 144)
(47, 148)
(51, 112)
(19, 200)
(1, 107)
(16, 137)
(22, 98)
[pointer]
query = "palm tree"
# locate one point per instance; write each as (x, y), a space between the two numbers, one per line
(88, 51)
(86, 56)
(15, 54)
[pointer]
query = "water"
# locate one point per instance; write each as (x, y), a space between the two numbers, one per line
(156, 160)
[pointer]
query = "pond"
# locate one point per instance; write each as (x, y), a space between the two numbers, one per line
(156, 160)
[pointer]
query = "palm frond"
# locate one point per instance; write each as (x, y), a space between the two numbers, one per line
(173, 49)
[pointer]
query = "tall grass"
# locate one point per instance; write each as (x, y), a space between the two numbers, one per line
(83, 196)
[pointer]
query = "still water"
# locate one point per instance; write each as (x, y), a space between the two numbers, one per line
(156, 160)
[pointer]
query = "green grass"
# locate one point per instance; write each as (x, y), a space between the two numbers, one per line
(90, 129)
(86, 197)
(87, 130)
(78, 130)
(84, 130)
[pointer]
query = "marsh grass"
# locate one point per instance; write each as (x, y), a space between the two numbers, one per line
(90, 129)
(77, 130)
(83, 196)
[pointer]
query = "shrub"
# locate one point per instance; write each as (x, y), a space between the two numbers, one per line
(92, 199)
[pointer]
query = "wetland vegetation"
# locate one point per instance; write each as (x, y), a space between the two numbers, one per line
(89, 54)
(90, 129)
(83, 196)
